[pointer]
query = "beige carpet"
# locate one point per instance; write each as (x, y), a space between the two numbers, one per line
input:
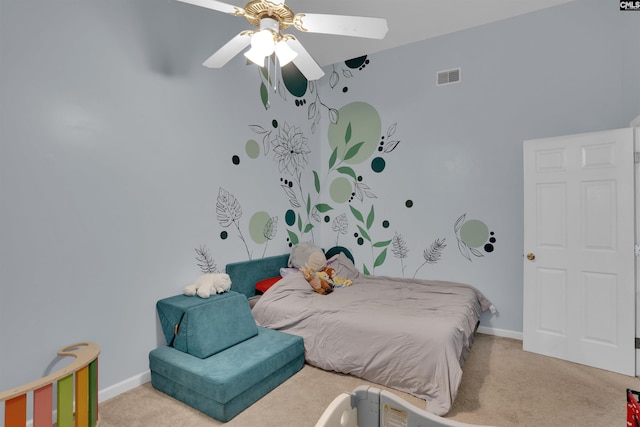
(501, 385)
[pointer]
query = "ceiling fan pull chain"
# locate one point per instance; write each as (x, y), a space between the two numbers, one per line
(275, 74)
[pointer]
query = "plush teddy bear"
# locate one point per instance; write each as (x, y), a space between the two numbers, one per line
(318, 280)
(321, 277)
(313, 272)
(209, 283)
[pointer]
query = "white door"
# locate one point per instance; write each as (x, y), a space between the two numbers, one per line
(579, 283)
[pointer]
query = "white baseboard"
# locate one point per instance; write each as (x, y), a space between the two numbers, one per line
(123, 386)
(505, 333)
(145, 377)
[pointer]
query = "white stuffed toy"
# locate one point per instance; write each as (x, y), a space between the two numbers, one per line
(209, 283)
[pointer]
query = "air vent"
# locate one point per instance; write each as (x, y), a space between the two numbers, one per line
(448, 76)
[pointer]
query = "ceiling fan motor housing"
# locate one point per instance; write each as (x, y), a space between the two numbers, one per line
(257, 10)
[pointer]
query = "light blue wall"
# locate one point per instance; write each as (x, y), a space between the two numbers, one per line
(115, 143)
(563, 70)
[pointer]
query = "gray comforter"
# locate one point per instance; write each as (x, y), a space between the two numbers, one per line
(408, 334)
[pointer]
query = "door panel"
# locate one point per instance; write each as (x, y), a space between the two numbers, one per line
(579, 290)
(552, 294)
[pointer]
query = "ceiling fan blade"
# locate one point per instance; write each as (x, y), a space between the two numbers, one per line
(215, 5)
(305, 63)
(358, 26)
(229, 50)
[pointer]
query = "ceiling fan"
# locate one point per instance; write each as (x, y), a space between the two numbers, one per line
(270, 17)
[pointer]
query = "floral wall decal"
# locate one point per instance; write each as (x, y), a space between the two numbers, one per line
(205, 261)
(358, 63)
(262, 227)
(340, 225)
(364, 229)
(292, 81)
(353, 139)
(399, 249)
(291, 153)
(339, 194)
(289, 80)
(472, 235)
(431, 255)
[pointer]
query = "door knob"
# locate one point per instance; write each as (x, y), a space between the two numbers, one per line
(531, 256)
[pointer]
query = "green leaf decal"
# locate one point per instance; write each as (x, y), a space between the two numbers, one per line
(381, 244)
(353, 150)
(333, 158)
(356, 213)
(264, 95)
(293, 237)
(347, 134)
(365, 270)
(308, 228)
(347, 171)
(323, 207)
(299, 223)
(370, 218)
(381, 258)
(316, 181)
(364, 233)
(308, 203)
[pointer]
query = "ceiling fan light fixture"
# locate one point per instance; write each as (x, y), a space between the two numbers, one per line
(255, 56)
(270, 18)
(284, 52)
(263, 41)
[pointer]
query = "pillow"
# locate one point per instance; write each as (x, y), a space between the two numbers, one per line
(285, 271)
(344, 267)
(264, 285)
(300, 254)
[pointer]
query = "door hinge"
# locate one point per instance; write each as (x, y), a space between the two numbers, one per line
(637, 250)
(637, 342)
(636, 157)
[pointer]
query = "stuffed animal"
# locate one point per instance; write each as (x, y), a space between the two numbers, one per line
(337, 282)
(316, 262)
(317, 280)
(209, 283)
(321, 277)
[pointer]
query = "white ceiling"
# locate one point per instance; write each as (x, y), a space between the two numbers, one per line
(408, 20)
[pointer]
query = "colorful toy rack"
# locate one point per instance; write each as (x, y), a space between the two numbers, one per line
(80, 375)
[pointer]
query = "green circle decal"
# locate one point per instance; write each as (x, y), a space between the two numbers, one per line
(356, 62)
(256, 226)
(295, 82)
(378, 164)
(357, 132)
(474, 233)
(340, 190)
(252, 148)
(290, 217)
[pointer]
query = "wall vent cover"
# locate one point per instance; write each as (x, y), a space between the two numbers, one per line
(448, 76)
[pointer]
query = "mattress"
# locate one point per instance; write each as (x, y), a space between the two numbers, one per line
(412, 335)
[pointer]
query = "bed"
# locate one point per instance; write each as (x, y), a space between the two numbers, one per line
(408, 334)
